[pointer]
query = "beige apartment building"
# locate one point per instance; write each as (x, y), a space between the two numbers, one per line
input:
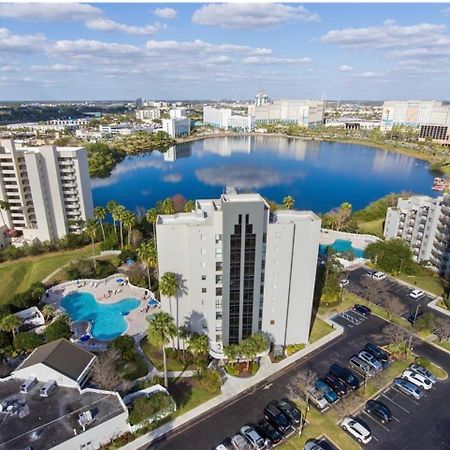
(47, 188)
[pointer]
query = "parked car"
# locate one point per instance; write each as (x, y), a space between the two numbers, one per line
(361, 309)
(336, 384)
(268, 432)
(379, 410)
(274, 415)
(328, 393)
(370, 359)
(416, 293)
(423, 371)
(408, 388)
(379, 353)
(313, 444)
(345, 375)
(379, 276)
(361, 366)
(226, 444)
(290, 411)
(417, 379)
(370, 273)
(253, 437)
(413, 317)
(239, 443)
(318, 399)
(344, 282)
(361, 432)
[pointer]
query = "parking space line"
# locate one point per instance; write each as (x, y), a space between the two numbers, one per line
(407, 396)
(395, 403)
(374, 420)
(395, 418)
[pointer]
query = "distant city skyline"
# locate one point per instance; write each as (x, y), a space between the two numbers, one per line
(72, 51)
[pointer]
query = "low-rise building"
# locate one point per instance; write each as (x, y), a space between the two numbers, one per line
(351, 123)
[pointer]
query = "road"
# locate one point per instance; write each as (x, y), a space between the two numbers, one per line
(417, 433)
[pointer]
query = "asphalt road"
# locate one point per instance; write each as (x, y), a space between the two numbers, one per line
(427, 428)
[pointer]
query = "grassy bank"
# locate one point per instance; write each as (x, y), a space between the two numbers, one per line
(430, 283)
(319, 330)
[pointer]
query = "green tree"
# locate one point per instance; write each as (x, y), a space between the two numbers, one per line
(121, 214)
(28, 341)
(147, 253)
(151, 216)
(112, 206)
(288, 202)
(160, 330)
(166, 206)
(248, 350)
(100, 215)
(391, 255)
(4, 206)
(198, 344)
(189, 206)
(260, 342)
(231, 352)
(10, 323)
(59, 328)
(129, 220)
(48, 311)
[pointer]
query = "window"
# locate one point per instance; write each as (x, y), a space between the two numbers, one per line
(218, 291)
(203, 290)
(272, 322)
(218, 279)
(202, 237)
(203, 264)
(203, 251)
(218, 315)
(218, 266)
(218, 238)
(218, 303)
(203, 277)
(218, 253)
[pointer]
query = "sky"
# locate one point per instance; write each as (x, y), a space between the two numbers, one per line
(70, 51)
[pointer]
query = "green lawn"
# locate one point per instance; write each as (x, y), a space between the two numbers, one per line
(445, 344)
(319, 330)
(18, 276)
(429, 283)
(374, 227)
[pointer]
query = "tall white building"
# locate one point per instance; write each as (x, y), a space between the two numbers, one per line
(261, 98)
(178, 113)
(242, 268)
(224, 118)
(47, 188)
(148, 114)
(177, 127)
(306, 113)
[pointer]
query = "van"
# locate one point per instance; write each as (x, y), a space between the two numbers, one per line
(48, 388)
(361, 366)
(27, 385)
(379, 276)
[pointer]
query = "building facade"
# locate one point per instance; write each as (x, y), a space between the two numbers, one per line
(148, 114)
(242, 268)
(307, 113)
(177, 127)
(47, 188)
(224, 118)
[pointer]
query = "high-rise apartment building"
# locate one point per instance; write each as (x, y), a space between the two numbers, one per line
(307, 113)
(224, 118)
(261, 98)
(177, 127)
(148, 114)
(47, 188)
(243, 268)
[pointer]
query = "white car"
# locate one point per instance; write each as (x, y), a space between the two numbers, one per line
(379, 276)
(344, 282)
(357, 430)
(416, 293)
(417, 379)
(239, 443)
(253, 437)
(425, 372)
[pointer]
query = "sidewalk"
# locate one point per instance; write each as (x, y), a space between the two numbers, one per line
(232, 388)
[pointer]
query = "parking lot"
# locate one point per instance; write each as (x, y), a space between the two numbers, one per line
(349, 318)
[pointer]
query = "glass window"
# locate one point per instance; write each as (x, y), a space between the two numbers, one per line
(272, 322)
(203, 264)
(218, 291)
(203, 277)
(203, 290)
(203, 251)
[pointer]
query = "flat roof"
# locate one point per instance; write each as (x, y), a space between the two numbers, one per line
(288, 216)
(53, 419)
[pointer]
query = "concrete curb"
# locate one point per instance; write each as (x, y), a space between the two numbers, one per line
(433, 305)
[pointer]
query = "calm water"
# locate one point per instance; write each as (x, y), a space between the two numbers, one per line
(107, 321)
(319, 175)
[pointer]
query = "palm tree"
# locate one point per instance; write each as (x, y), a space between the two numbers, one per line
(260, 342)
(160, 330)
(288, 202)
(189, 206)
(151, 217)
(147, 253)
(184, 334)
(121, 211)
(129, 220)
(166, 206)
(10, 324)
(231, 352)
(169, 286)
(249, 350)
(111, 206)
(100, 214)
(198, 344)
(48, 312)
(4, 206)
(91, 230)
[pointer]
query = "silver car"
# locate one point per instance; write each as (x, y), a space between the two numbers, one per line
(253, 437)
(370, 359)
(425, 372)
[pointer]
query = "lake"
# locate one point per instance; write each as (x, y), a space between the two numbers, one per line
(320, 175)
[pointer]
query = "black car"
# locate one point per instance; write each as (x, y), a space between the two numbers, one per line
(336, 384)
(413, 317)
(290, 411)
(361, 309)
(379, 410)
(379, 353)
(267, 431)
(345, 375)
(277, 418)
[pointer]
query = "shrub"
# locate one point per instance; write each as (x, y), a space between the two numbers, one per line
(31, 297)
(209, 379)
(125, 345)
(59, 328)
(84, 268)
(149, 408)
(294, 348)
(28, 341)
(424, 362)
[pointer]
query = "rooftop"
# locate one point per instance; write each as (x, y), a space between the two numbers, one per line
(62, 356)
(51, 421)
(288, 216)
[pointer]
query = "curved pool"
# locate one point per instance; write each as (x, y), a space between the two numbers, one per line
(342, 246)
(107, 320)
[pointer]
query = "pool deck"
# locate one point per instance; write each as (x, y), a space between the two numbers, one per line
(360, 241)
(106, 291)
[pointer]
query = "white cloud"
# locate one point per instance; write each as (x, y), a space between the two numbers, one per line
(251, 15)
(52, 67)
(165, 13)
(221, 59)
(275, 60)
(8, 69)
(345, 68)
(52, 12)
(25, 43)
(368, 75)
(102, 24)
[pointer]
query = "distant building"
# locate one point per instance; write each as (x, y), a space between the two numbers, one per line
(224, 118)
(48, 189)
(178, 113)
(140, 102)
(148, 114)
(177, 127)
(352, 123)
(243, 267)
(307, 113)
(261, 98)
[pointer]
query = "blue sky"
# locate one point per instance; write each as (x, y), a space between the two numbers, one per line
(212, 51)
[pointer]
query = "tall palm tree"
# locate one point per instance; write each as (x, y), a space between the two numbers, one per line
(121, 212)
(169, 286)
(189, 206)
(129, 220)
(184, 334)
(231, 352)
(260, 342)
(151, 216)
(48, 312)
(10, 324)
(91, 230)
(147, 253)
(288, 202)
(166, 206)
(4, 206)
(160, 330)
(198, 344)
(111, 206)
(249, 350)
(100, 214)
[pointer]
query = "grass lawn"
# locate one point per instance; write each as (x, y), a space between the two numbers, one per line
(445, 344)
(18, 276)
(319, 330)
(374, 227)
(429, 283)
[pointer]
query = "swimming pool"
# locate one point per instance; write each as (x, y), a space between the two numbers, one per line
(107, 320)
(342, 246)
